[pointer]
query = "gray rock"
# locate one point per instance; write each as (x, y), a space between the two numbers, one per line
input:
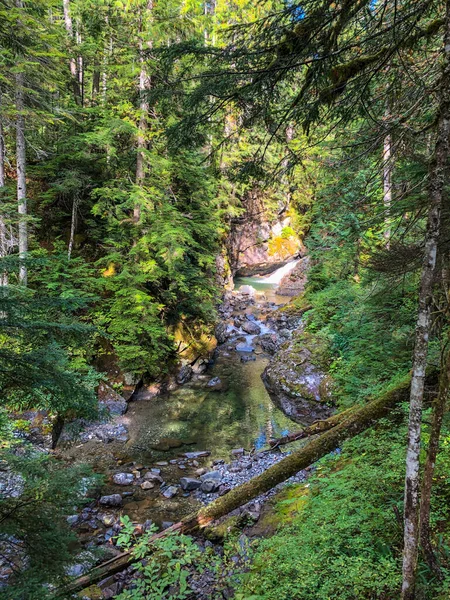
(199, 454)
(211, 476)
(215, 384)
(112, 500)
(153, 477)
(166, 524)
(189, 484)
(248, 358)
(221, 333)
(184, 374)
(123, 478)
(170, 492)
(210, 486)
(244, 347)
(237, 451)
(72, 520)
(247, 290)
(147, 485)
(251, 328)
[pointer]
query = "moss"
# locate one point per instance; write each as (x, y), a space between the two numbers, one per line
(219, 532)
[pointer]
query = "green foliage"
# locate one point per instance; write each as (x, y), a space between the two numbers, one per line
(167, 568)
(345, 540)
(41, 362)
(33, 529)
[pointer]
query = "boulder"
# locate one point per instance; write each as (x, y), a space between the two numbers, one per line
(123, 478)
(113, 402)
(188, 484)
(296, 380)
(247, 290)
(269, 342)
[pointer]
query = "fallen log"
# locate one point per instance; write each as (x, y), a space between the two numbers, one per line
(313, 429)
(354, 422)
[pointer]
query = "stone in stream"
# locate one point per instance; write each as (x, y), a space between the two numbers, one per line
(251, 328)
(162, 463)
(209, 486)
(112, 500)
(72, 520)
(247, 290)
(123, 478)
(211, 476)
(199, 454)
(170, 492)
(237, 451)
(150, 476)
(215, 384)
(221, 333)
(244, 347)
(147, 485)
(184, 374)
(248, 358)
(189, 484)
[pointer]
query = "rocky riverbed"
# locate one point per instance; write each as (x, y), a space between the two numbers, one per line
(181, 445)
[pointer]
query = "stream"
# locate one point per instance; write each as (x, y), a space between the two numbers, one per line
(207, 421)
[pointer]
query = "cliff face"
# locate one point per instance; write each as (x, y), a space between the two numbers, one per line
(261, 239)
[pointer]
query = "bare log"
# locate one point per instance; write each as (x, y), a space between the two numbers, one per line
(355, 422)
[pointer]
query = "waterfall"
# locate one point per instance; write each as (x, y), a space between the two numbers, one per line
(278, 275)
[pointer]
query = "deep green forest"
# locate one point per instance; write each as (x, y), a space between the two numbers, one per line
(224, 299)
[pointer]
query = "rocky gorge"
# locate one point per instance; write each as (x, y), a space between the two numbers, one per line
(182, 444)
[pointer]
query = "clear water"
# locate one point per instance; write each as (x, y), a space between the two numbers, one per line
(240, 415)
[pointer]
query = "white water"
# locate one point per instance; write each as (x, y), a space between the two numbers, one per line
(278, 275)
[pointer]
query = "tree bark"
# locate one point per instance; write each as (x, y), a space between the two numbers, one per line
(387, 181)
(356, 421)
(144, 109)
(73, 225)
(428, 473)
(21, 175)
(4, 246)
(438, 172)
(72, 61)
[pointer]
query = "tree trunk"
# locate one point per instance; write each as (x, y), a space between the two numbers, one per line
(57, 428)
(387, 181)
(73, 225)
(144, 108)
(21, 175)
(357, 421)
(438, 169)
(72, 61)
(3, 228)
(428, 473)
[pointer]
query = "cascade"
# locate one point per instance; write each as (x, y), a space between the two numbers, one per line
(278, 275)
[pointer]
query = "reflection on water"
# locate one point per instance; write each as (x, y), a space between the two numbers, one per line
(240, 415)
